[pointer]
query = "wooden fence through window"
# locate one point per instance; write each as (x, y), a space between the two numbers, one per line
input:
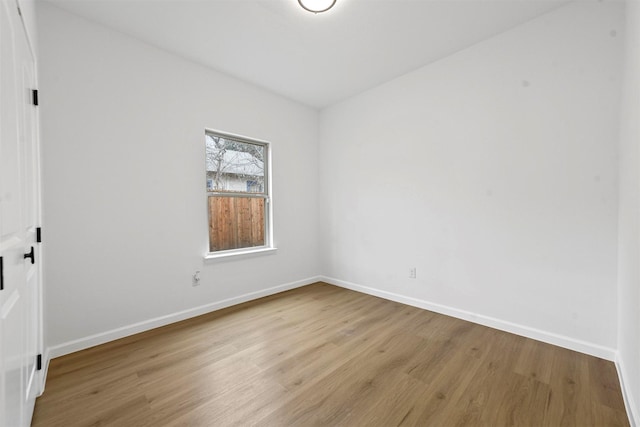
(235, 222)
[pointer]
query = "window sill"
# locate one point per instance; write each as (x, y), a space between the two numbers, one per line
(242, 253)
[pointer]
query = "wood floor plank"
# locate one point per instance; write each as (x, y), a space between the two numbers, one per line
(351, 384)
(391, 407)
(535, 360)
(604, 387)
(323, 355)
(570, 399)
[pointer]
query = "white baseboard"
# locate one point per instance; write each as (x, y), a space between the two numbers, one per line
(632, 410)
(503, 325)
(125, 331)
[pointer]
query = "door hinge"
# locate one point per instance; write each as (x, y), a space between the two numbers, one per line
(34, 93)
(1, 274)
(31, 255)
(39, 235)
(39, 362)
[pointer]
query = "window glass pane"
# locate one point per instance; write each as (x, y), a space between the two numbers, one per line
(236, 222)
(234, 166)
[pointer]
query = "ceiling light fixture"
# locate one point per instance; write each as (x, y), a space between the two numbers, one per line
(317, 6)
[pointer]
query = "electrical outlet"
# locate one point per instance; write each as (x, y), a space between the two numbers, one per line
(412, 273)
(196, 279)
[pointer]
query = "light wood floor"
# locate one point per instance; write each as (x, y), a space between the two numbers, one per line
(322, 355)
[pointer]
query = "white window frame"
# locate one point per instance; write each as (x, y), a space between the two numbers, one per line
(268, 247)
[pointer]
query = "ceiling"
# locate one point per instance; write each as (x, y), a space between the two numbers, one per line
(316, 60)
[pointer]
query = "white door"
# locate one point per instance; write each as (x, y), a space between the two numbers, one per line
(19, 216)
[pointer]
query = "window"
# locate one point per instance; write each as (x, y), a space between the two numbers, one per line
(238, 199)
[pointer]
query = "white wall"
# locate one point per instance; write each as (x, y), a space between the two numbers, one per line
(124, 181)
(494, 172)
(629, 217)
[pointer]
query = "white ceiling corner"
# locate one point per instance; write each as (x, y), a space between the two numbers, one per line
(319, 59)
